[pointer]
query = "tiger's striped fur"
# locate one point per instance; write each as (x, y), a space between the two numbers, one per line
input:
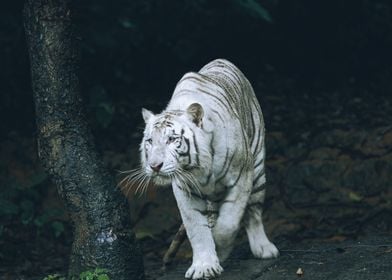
(209, 144)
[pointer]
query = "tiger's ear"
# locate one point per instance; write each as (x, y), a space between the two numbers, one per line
(146, 114)
(195, 113)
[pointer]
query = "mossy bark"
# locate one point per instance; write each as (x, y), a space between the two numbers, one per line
(100, 215)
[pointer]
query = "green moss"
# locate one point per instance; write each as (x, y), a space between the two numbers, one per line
(96, 274)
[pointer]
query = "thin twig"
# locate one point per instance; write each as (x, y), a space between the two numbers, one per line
(174, 246)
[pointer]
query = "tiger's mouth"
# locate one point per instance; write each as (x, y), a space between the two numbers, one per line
(161, 178)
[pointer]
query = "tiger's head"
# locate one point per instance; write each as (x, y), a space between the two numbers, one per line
(169, 149)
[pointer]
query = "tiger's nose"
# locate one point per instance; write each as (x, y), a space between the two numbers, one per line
(156, 167)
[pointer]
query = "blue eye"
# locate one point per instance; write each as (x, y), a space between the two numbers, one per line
(149, 140)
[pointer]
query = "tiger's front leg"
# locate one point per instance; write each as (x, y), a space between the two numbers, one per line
(231, 212)
(205, 262)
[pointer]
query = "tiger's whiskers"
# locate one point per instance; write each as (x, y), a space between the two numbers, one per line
(135, 178)
(187, 180)
(138, 180)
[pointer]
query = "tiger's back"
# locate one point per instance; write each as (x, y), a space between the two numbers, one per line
(232, 107)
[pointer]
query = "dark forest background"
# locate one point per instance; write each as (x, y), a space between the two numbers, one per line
(321, 70)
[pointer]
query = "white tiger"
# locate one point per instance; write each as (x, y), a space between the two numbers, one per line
(209, 144)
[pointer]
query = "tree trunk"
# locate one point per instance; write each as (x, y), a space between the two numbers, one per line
(99, 213)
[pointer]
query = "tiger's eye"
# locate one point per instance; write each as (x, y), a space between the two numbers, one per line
(149, 140)
(172, 139)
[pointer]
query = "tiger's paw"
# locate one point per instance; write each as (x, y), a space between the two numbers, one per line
(204, 269)
(266, 251)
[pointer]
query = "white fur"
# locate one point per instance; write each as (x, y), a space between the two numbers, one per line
(217, 112)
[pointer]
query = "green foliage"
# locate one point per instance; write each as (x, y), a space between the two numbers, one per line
(21, 204)
(54, 277)
(96, 274)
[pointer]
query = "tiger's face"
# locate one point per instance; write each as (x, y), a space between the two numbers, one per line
(168, 147)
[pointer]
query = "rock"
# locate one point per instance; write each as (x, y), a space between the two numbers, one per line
(275, 142)
(369, 177)
(332, 161)
(324, 153)
(306, 180)
(377, 143)
(338, 138)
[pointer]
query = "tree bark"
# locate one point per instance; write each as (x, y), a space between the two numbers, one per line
(99, 213)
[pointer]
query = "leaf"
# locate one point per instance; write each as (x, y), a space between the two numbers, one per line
(354, 197)
(54, 277)
(253, 7)
(103, 277)
(40, 221)
(97, 274)
(99, 270)
(144, 233)
(126, 23)
(86, 275)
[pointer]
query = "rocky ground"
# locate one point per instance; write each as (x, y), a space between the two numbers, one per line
(368, 258)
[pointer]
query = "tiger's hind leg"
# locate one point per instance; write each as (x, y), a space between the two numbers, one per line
(259, 243)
